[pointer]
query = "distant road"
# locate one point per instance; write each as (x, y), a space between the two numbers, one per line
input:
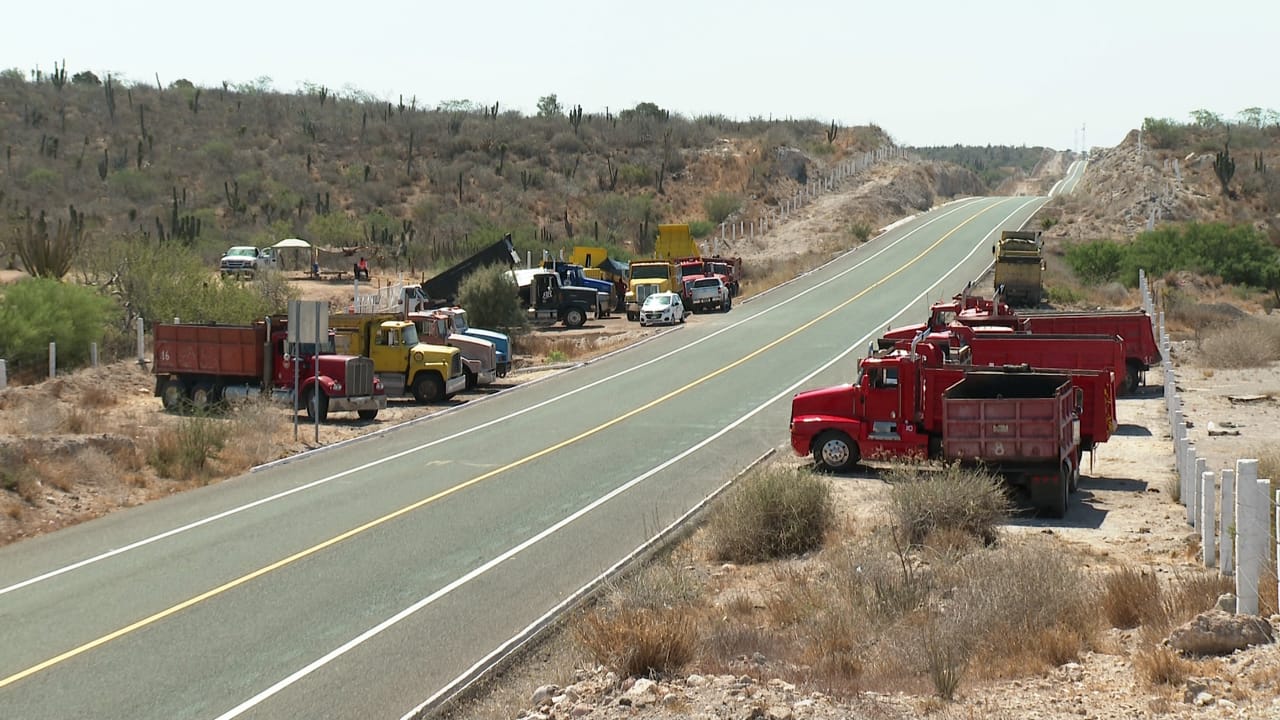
(1067, 184)
(360, 581)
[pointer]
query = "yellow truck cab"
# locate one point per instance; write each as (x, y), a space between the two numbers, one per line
(649, 277)
(404, 364)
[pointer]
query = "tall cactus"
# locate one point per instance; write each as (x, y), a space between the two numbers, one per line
(832, 132)
(1224, 166)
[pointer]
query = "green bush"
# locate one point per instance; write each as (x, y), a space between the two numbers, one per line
(701, 228)
(1163, 133)
(924, 501)
(42, 181)
(38, 311)
(1097, 262)
(134, 185)
(634, 175)
(489, 295)
(720, 206)
(773, 512)
(183, 452)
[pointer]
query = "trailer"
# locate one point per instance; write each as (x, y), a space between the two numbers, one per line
(443, 288)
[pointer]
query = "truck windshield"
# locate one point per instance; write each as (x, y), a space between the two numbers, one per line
(649, 272)
(411, 336)
(309, 349)
(460, 322)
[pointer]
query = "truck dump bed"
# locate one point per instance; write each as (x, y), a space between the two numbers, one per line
(231, 351)
(1008, 418)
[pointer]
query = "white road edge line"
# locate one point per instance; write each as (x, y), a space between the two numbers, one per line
(396, 456)
(562, 523)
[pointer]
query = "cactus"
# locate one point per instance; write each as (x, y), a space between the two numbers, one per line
(1224, 166)
(831, 132)
(1259, 164)
(59, 76)
(44, 254)
(322, 207)
(408, 163)
(138, 159)
(575, 118)
(142, 120)
(502, 157)
(109, 88)
(491, 113)
(232, 191)
(194, 102)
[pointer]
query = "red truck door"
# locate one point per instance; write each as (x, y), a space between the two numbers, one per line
(883, 394)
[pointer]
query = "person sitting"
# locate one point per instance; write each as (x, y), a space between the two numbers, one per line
(362, 270)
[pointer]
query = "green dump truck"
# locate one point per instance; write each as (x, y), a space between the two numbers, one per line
(1019, 267)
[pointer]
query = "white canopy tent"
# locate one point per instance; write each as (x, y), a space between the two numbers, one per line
(296, 244)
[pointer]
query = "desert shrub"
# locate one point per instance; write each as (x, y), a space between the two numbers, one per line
(42, 181)
(645, 625)
(1163, 133)
(1248, 343)
(183, 452)
(1097, 261)
(1161, 665)
(1023, 607)
(701, 228)
(773, 512)
(634, 175)
(489, 295)
(1061, 294)
(1183, 598)
(38, 311)
(861, 230)
(134, 185)
(719, 206)
(925, 500)
(1129, 596)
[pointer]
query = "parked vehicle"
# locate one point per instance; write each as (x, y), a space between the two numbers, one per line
(896, 409)
(675, 240)
(1019, 266)
(664, 308)
(479, 358)
(199, 365)
(648, 277)
(1134, 327)
(728, 269)
(247, 261)
(404, 364)
(501, 341)
(572, 275)
(708, 293)
(550, 302)
(443, 288)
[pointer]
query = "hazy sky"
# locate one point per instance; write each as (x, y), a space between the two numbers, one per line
(929, 72)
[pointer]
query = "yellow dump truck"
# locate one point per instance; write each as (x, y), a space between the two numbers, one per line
(1019, 267)
(404, 365)
(675, 241)
(649, 277)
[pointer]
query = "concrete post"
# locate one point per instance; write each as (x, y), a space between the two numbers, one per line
(137, 324)
(4, 374)
(1248, 565)
(1208, 520)
(1180, 461)
(53, 360)
(1226, 560)
(1197, 472)
(93, 354)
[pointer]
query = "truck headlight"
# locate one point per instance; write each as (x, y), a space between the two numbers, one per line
(337, 387)
(418, 357)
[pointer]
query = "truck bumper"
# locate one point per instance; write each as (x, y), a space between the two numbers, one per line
(486, 377)
(355, 403)
(504, 367)
(455, 385)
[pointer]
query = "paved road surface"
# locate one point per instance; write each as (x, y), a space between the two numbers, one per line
(359, 581)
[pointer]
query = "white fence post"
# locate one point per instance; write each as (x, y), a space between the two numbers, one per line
(1226, 564)
(1197, 472)
(53, 360)
(1207, 519)
(142, 342)
(1248, 562)
(93, 354)
(4, 374)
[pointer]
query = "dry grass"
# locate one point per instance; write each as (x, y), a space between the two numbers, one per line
(1161, 665)
(1248, 343)
(773, 512)
(1129, 597)
(98, 397)
(183, 451)
(951, 499)
(255, 425)
(1182, 599)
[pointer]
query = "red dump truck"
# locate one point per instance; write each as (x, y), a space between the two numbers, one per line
(1022, 426)
(198, 365)
(896, 409)
(1133, 327)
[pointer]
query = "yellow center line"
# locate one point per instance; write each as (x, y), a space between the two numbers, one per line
(151, 619)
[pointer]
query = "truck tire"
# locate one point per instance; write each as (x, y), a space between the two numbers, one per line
(1130, 384)
(575, 317)
(204, 395)
(428, 388)
(472, 380)
(317, 404)
(728, 304)
(1054, 503)
(835, 451)
(633, 316)
(367, 414)
(173, 394)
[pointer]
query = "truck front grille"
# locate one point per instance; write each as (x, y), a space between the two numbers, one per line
(455, 368)
(359, 376)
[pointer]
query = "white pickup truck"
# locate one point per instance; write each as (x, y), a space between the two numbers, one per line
(247, 260)
(709, 292)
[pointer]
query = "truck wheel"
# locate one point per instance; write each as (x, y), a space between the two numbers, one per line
(1056, 498)
(472, 380)
(835, 451)
(172, 394)
(317, 404)
(633, 316)
(428, 388)
(1130, 384)
(574, 317)
(203, 395)
(367, 414)
(728, 304)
